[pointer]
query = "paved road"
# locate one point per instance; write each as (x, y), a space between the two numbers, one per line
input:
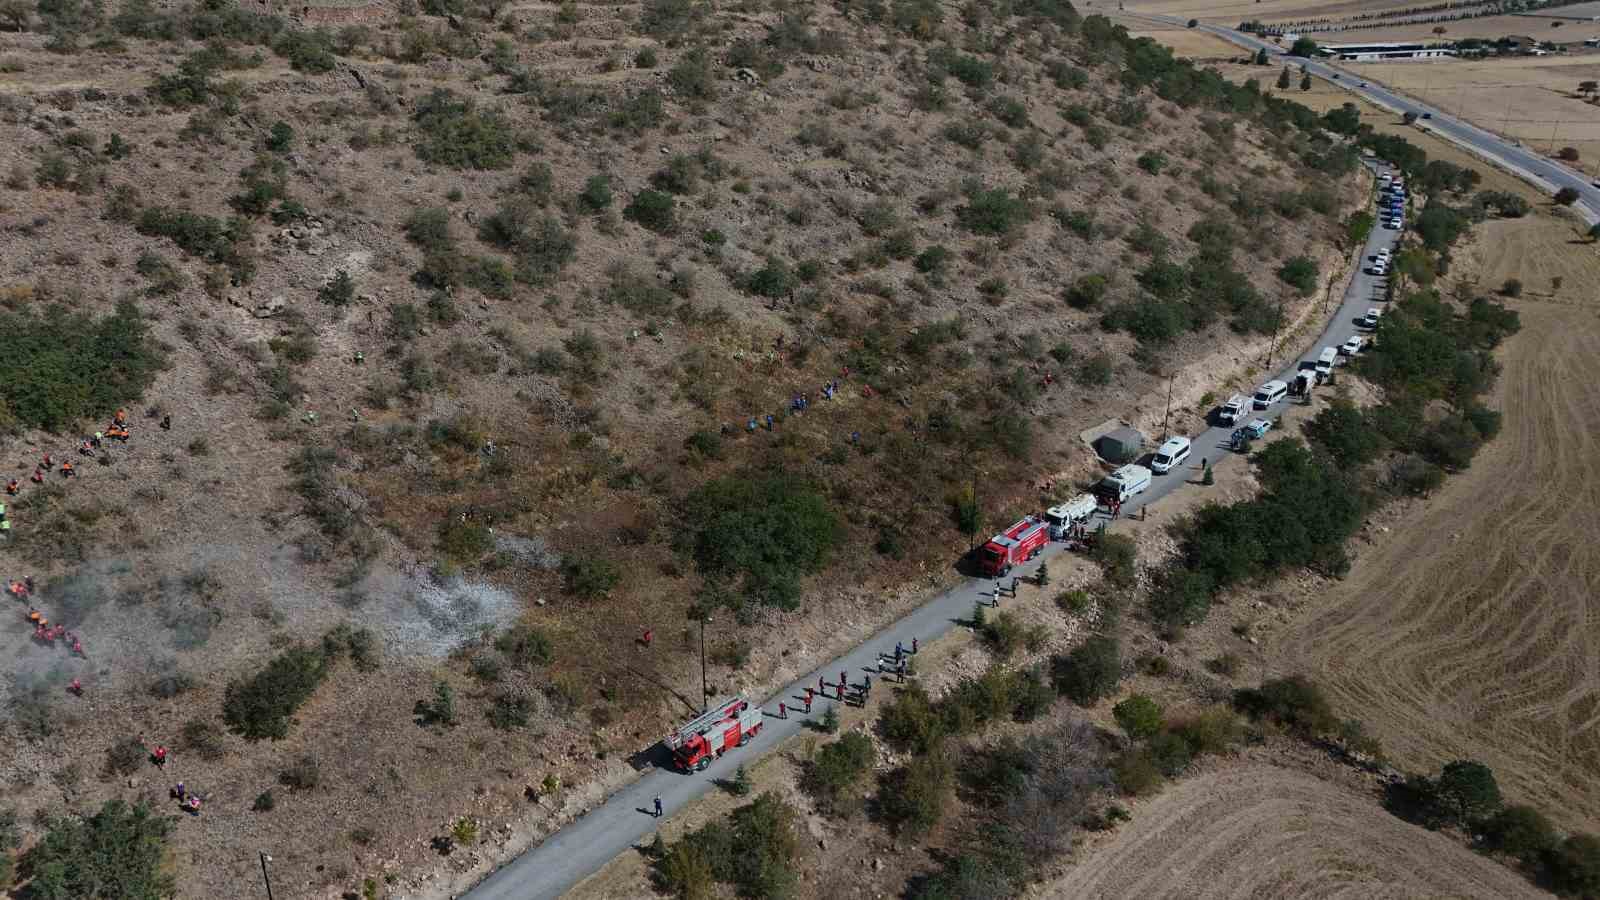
(1530, 165)
(584, 846)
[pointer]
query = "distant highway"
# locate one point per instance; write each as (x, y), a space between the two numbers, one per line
(1527, 164)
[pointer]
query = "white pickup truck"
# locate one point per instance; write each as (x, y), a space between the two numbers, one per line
(1062, 518)
(1232, 411)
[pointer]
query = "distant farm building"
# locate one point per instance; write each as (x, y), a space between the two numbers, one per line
(1375, 52)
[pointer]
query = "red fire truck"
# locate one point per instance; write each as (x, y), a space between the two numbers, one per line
(731, 723)
(1017, 544)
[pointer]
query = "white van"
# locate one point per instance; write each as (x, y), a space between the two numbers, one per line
(1326, 359)
(1123, 483)
(1270, 393)
(1232, 411)
(1370, 320)
(1170, 455)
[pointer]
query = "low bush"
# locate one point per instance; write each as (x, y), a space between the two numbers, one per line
(652, 210)
(261, 706)
(62, 366)
(754, 850)
(1294, 704)
(119, 851)
(915, 797)
(1090, 672)
(453, 132)
(1138, 716)
(835, 776)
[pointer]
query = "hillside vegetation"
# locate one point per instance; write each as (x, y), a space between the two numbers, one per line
(473, 318)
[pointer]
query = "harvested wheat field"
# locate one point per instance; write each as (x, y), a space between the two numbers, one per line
(1255, 829)
(1470, 632)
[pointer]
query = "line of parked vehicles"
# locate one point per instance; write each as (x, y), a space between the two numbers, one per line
(1392, 201)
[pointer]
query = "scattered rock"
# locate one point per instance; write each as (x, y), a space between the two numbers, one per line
(877, 864)
(748, 76)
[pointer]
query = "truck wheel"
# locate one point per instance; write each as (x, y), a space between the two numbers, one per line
(703, 764)
(744, 738)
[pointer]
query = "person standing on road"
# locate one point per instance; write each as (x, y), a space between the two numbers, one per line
(783, 711)
(658, 808)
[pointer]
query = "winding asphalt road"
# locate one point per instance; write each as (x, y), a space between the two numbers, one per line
(587, 844)
(1527, 164)
(623, 820)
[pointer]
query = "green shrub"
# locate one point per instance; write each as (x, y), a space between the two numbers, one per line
(1294, 703)
(915, 797)
(260, 706)
(441, 710)
(993, 212)
(1095, 370)
(769, 530)
(1090, 672)
(509, 709)
(526, 647)
(1344, 432)
(754, 849)
(307, 51)
(834, 777)
(1087, 291)
(691, 76)
(910, 721)
(118, 852)
(453, 132)
(1302, 273)
(652, 210)
(280, 137)
(596, 194)
(62, 366)
(464, 542)
(264, 802)
(341, 291)
(1136, 773)
(589, 577)
(1138, 716)
(1117, 555)
(1573, 868)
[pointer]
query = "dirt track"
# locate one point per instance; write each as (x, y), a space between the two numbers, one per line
(1258, 830)
(1468, 629)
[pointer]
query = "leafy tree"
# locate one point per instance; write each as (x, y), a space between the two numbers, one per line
(115, 854)
(1343, 431)
(1567, 196)
(1090, 672)
(1283, 79)
(770, 530)
(1138, 716)
(1467, 791)
(1305, 81)
(1304, 47)
(1574, 866)
(1345, 120)
(1520, 831)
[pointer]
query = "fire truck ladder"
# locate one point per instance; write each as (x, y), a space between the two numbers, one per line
(702, 724)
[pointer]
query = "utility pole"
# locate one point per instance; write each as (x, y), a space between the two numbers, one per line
(1166, 415)
(264, 876)
(1553, 129)
(1277, 324)
(705, 685)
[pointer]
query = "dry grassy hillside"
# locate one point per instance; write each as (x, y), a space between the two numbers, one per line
(600, 237)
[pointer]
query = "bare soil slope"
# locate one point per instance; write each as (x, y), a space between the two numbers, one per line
(1258, 830)
(1469, 632)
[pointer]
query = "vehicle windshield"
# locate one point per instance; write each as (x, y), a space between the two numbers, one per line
(1054, 519)
(1163, 459)
(991, 553)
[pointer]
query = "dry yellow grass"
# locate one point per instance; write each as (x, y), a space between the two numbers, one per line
(1198, 45)
(1259, 830)
(1529, 99)
(1467, 630)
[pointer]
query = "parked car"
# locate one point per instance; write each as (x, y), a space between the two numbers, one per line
(1427, 115)
(1351, 347)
